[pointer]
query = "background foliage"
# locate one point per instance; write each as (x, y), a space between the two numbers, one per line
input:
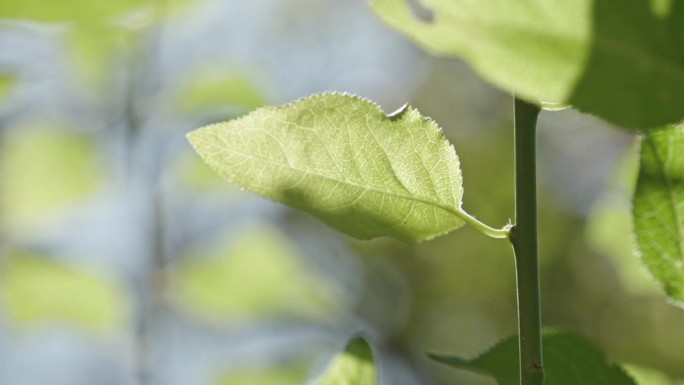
(122, 257)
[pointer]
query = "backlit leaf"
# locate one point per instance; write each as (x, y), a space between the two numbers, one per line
(568, 360)
(658, 208)
(587, 53)
(340, 158)
(354, 366)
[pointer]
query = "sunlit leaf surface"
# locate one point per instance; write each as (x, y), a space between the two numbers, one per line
(658, 208)
(340, 158)
(354, 366)
(568, 360)
(619, 59)
(98, 30)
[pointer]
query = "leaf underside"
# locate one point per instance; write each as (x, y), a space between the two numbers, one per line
(354, 366)
(658, 208)
(568, 360)
(341, 159)
(584, 52)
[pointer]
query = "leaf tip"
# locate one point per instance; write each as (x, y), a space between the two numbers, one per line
(192, 137)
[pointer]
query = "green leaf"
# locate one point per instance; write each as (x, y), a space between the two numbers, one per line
(587, 53)
(89, 12)
(216, 89)
(256, 274)
(81, 10)
(568, 360)
(340, 158)
(279, 375)
(354, 366)
(6, 83)
(658, 208)
(36, 291)
(93, 47)
(45, 168)
(650, 376)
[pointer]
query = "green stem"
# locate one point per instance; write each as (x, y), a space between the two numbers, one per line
(524, 240)
(503, 232)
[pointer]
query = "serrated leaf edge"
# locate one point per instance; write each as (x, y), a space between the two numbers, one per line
(459, 212)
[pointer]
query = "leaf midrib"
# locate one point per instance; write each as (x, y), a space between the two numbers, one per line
(456, 211)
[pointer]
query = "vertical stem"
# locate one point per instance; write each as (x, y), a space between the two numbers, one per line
(524, 240)
(143, 82)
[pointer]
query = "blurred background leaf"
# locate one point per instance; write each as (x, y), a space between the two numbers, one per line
(46, 167)
(355, 365)
(37, 291)
(79, 10)
(646, 376)
(214, 90)
(290, 375)
(610, 227)
(256, 274)
(6, 82)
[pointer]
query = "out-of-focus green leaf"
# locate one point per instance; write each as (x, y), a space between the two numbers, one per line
(259, 274)
(658, 208)
(587, 53)
(610, 232)
(340, 158)
(568, 360)
(212, 89)
(647, 376)
(34, 290)
(354, 366)
(6, 83)
(291, 375)
(79, 10)
(610, 229)
(96, 27)
(93, 48)
(43, 169)
(89, 11)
